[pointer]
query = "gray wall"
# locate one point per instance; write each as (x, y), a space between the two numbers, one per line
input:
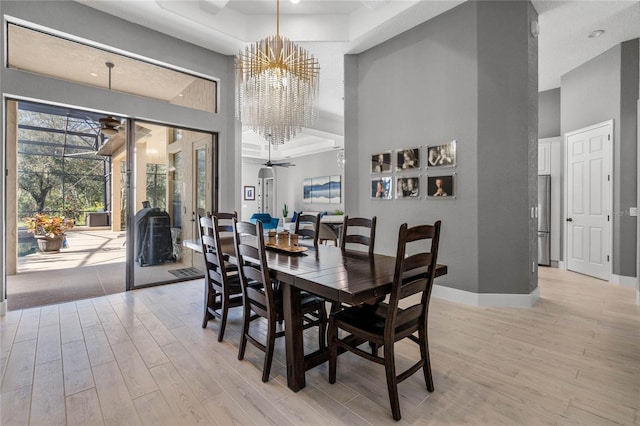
(606, 88)
(465, 75)
(507, 144)
(79, 20)
(549, 113)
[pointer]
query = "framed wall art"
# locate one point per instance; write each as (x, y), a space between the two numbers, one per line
(381, 188)
(381, 162)
(407, 159)
(441, 186)
(249, 193)
(323, 190)
(408, 187)
(443, 155)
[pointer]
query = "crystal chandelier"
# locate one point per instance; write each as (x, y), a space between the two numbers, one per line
(276, 87)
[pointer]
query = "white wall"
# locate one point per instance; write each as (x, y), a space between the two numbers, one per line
(289, 182)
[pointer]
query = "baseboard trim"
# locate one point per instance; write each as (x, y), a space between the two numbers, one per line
(497, 300)
(555, 264)
(3, 308)
(623, 280)
(638, 297)
(562, 265)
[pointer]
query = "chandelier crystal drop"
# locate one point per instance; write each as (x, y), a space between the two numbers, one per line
(277, 86)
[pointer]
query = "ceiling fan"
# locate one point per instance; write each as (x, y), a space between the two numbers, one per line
(270, 163)
(109, 125)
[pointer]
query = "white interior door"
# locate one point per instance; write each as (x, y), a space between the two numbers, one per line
(589, 200)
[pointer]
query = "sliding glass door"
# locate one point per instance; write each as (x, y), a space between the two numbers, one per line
(170, 183)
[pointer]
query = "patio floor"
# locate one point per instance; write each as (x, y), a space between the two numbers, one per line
(92, 265)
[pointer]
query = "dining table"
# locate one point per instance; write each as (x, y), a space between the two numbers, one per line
(347, 277)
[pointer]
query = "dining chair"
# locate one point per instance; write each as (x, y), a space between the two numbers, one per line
(222, 284)
(302, 229)
(386, 323)
(348, 237)
(264, 298)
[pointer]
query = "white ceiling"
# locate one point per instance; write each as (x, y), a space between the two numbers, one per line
(331, 28)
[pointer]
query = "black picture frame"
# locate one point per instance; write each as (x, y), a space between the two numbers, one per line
(249, 193)
(441, 186)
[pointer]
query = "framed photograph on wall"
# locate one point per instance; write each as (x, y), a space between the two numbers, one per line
(381, 162)
(408, 187)
(407, 159)
(443, 155)
(441, 186)
(381, 188)
(249, 193)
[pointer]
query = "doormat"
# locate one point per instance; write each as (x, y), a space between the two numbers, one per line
(187, 273)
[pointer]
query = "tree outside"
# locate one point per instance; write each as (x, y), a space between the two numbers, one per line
(58, 170)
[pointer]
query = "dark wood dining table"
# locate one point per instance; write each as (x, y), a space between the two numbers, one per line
(345, 277)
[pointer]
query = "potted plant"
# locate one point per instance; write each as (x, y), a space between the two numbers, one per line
(48, 230)
(285, 211)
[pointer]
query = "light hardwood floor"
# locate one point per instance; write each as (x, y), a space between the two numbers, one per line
(142, 358)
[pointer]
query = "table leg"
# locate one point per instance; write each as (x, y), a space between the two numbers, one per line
(293, 337)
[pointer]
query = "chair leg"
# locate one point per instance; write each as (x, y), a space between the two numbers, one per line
(268, 353)
(246, 317)
(208, 301)
(426, 362)
(322, 327)
(374, 348)
(332, 338)
(392, 381)
(224, 310)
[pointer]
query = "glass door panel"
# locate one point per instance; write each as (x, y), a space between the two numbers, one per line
(166, 200)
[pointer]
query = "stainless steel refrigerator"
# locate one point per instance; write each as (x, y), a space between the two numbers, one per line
(544, 220)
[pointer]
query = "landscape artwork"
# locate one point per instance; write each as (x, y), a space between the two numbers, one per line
(323, 190)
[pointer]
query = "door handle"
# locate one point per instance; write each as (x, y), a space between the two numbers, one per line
(569, 219)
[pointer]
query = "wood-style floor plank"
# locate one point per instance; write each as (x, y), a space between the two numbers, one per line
(15, 406)
(134, 371)
(47, 404)
(20, 366)
(142, 358)
(153, 409)
(83, 408)
(77, 369)
(115, 401)
(183, 402)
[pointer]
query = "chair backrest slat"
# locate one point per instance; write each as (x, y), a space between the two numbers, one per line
(365, 240)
